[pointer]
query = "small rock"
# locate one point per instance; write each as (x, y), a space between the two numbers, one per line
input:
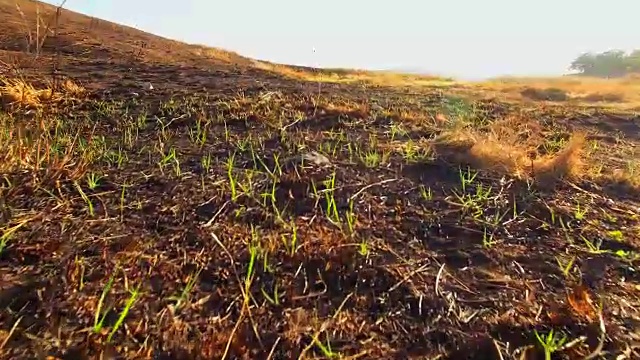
(316, 158)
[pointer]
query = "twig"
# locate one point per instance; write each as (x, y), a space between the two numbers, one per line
(40, 39)
(495, 343)
(13, 328)
(438, 278)
(370, 186)
(27, 28)
(408, 276)
(215, 216)
(273, 349)
(572, 343)
(603, 330)
(55, 35)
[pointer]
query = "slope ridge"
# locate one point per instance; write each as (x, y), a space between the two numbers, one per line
(88, 37)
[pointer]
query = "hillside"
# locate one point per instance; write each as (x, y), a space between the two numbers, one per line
(160, 200)
(91, 38)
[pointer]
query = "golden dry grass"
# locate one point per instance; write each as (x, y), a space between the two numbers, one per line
(19, 92)
(224, 56)
(623, 91)
(71, 88)
(346, 76)
(566, 164)
(513, 151)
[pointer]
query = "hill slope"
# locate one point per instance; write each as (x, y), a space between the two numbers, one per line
(241, 209)
(75, 34)
(104, 55)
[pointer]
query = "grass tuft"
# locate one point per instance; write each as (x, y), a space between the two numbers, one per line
(16, 92)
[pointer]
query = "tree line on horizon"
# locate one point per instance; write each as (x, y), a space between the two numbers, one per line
(612, 63)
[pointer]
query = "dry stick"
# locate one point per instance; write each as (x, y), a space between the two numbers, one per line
(572, 343)
(370, 186)
(215, 216)
(37, 28)
(55, 35)
(38, 42)
(27, 28)
(438, 279)
(495, 343)
(13, 328)
(408, 276)
(273, 349)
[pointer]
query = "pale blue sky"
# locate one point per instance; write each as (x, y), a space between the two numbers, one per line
(460, 38)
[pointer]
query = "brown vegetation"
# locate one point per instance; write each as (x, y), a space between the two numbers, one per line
(621, 92)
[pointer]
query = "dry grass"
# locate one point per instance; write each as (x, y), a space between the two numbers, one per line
(21, 93)
(377, 78)
(623, 92)
(495, 153)
(510, 146)
(566, 164)
(224, 56)
(30, 146)
(72, 89)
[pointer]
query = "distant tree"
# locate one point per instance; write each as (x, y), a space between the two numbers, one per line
(633, 61)
(584, 63)
(612, 63)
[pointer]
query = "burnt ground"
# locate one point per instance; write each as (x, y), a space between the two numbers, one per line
(230, 212)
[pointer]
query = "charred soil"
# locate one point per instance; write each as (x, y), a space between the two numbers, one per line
(226, 210)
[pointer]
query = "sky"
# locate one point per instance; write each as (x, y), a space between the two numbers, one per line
(466, 39)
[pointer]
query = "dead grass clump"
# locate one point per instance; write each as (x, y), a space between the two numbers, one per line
(494, 154)
(547, 94)
(565, 164)
(18, 92)
(72, 88)
(503, 147)
(508, 153)
(454, 143)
